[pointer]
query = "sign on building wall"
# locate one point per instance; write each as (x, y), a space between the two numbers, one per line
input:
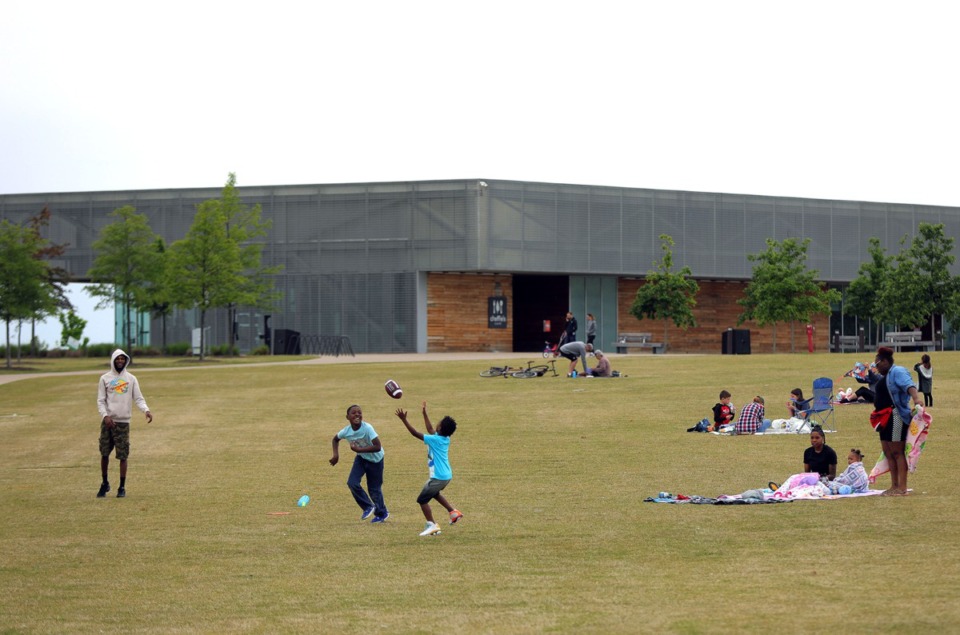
(496, 312)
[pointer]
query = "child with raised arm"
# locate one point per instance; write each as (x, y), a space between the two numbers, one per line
(438, 465)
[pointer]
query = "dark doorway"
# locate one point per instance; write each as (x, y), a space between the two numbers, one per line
(536, 299)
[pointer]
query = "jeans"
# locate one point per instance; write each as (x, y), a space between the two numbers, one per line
(374, 474)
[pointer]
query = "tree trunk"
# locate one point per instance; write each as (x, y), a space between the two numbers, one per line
(203, 318)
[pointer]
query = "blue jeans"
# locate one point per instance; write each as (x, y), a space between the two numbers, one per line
(374, 474)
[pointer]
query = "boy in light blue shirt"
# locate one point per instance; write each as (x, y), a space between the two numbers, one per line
(438, 465)
(368, 462)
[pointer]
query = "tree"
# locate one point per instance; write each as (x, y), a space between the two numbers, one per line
(126, 267)
(72, 326)
(25, 281)
(901, 300)
(58, 277)
(206, 265)
(783, 289)
(930, 251)
(244, 225)
(861, 296)
(161, 304)
(667, 295)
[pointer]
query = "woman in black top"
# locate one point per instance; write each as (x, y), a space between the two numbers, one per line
(820, 457)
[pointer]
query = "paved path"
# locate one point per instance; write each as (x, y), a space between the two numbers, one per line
(492, 358)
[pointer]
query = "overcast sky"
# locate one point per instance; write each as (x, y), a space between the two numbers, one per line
(848, 100)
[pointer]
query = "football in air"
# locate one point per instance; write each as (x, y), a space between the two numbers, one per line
(393, 389)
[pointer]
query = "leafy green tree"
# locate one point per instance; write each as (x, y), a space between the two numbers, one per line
(901, 299)
(25, 280)
(930, 251)
(206, 264)
(58, 277)
(244, 226)
(667, 295)
(783, 289)
(161, 292)
(71, 328)
(126, 267)
(861, 295)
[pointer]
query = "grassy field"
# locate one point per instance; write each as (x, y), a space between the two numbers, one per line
(550, 473)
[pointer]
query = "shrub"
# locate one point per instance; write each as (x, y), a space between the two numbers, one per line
(179, 349)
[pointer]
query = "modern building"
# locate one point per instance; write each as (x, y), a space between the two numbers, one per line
(494, 265)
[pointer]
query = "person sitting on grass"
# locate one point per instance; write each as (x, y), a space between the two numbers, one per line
(723, 412)
(751, 417)
(797, 404)
(853, 480)
(820, 457)
(438, 465)
(602, 369)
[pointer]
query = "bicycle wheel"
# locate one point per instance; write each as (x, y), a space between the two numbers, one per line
(547, 354)
(524, 374)
(540, 371)
(491, 372)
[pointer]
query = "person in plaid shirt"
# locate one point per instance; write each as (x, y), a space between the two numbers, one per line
(751, 417)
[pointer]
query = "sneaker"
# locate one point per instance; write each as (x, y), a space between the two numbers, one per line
(455, 515)
(104, 488)
(121, 492)
(380, 519)
(430, 529)
(367, 514)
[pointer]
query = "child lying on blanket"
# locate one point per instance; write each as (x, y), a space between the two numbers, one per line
(854, 477)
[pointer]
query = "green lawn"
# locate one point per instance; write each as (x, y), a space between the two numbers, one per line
(550, 473)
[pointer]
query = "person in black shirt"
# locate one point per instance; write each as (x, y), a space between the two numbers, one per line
(820, 457)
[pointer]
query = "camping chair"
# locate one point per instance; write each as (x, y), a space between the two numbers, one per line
(820, 411)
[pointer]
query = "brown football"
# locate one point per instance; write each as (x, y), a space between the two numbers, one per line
(393, 389)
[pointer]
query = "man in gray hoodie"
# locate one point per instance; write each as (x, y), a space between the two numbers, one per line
(117, 392)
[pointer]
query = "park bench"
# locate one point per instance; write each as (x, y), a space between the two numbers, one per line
(843, 343)
(626, 341)
(910, 340)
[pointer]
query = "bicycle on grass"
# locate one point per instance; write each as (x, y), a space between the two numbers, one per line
(501, 371)
(537, 371)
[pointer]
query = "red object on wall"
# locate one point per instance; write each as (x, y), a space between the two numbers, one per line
(810, 338)
(546, 326)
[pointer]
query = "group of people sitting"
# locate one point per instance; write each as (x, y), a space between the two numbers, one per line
(821, 459)
(752, 417)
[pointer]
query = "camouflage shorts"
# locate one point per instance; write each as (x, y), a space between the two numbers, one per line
(116, 437)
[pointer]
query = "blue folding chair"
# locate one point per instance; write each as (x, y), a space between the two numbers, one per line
(820, 411)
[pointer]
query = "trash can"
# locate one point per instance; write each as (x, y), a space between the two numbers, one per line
(736, 342)
(287, 342)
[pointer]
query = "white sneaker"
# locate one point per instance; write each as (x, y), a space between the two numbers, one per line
(430, 529)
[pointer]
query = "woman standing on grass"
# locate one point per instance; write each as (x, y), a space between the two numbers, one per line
(891, 417)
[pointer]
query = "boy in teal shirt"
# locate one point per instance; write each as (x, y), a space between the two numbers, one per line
(438, 465)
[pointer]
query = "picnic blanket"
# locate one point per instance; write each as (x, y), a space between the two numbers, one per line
(805, 486)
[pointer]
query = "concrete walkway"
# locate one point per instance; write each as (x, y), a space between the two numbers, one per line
(386, 358)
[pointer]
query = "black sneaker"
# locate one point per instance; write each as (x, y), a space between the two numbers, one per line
(104, 488)
(121, 492)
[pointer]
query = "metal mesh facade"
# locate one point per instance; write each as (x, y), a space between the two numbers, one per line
(351, 253)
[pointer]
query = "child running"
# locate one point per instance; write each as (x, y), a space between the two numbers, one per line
(438, 465)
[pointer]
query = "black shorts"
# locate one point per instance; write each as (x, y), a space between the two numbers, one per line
(571, 356)
(896, 429)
